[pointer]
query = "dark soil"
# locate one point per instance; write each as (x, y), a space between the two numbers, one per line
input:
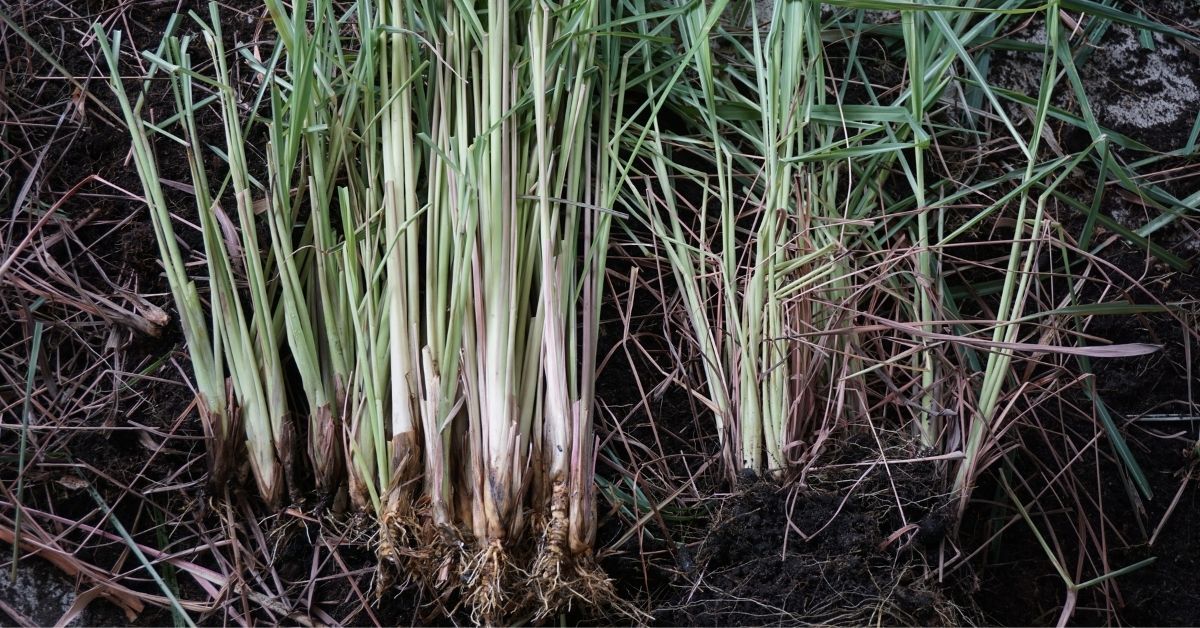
(713, 555)
(1161, 593)
(755, 567)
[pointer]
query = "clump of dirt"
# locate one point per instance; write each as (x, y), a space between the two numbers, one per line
(809, 555)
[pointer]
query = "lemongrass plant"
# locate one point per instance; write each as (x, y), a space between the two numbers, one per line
(817, 294)
(437, 193)
(487, 138)
(776, 224)
(229, 340)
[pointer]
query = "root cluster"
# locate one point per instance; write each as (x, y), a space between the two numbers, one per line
(493, 581)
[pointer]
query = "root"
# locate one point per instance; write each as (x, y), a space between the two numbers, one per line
(395, 537)
(560, 581)
(551, 579)
(482, 578)
(559, 577)
(488, 582)
(412, 546)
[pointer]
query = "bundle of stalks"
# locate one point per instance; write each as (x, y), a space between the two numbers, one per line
(831, 281)
(436, 202)
(821, 282)
(487, 134)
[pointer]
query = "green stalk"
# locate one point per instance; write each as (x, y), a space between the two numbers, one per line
(400, 235)
(438, 212)
(1012, 297)
(296, 118)
(929, 422)
(362, 263)
(203, 349)
(268, 418)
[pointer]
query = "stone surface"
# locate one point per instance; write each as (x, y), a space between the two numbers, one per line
(1151, 93)
(39, 593)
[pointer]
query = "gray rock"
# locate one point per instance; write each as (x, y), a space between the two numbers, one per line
(39, 593)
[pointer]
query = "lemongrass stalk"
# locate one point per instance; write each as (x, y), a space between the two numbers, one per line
(601, 178)
(430, 234)
(929, 423)
(399, 174)
(589, 225)
(556, 406)
(793, 83)
(228, 317)
(203, 348)
(502, 358)
(448, 246)
(720, 368)
(302, 124)
(263, 358)
(996, 372)
(362, 263)
(757, 353)
(368, 471)
(229, 322)
(568, 293)
(685, 264)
